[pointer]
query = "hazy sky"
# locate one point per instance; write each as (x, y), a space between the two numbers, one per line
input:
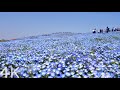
(20, 24)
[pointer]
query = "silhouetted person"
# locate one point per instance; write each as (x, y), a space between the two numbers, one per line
(115, 29)
(118, 29)
(107, 29)
(101, 30)
(112, 29)
(94, 30)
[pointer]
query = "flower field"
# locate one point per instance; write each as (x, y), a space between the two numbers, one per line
(64, 55)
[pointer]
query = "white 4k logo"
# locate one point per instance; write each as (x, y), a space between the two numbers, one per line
(12, 72)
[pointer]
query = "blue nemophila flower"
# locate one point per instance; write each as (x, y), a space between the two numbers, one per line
(81, 72)
(52, 63)
(67, 74)
(63, 75)
(38, 75)
(52, 74)
(57, 72)
(48, 69)
(24, 74)
(43, 73)
(39, 66)
(67, 69)
(75, 76)
(43, 66)
(50, 77)
(80, 65)
(59, 65)
(91, 68)
(59, 69)
(29, 70)
(47, 63)
(103, 75)
(53, 70)
(85, 76)
(72, 73)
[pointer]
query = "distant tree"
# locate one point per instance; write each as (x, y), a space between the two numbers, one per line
(3, 40)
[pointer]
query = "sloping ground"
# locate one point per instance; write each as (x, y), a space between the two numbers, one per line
(3, 40)
(63, 55)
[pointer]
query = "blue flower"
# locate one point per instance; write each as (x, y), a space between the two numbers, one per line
(63, 75)
(38, 75)
(43, 73)
(52, 74)
(24, 74)
(57, 72)
(72, 73)
(59, 65)
(67, 74)
(59, 69)
(50, 77)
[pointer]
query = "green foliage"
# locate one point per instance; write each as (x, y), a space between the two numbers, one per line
(115, 37)
(98, 39)
(2, 40)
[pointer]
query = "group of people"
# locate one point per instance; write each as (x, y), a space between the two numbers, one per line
(106, 30)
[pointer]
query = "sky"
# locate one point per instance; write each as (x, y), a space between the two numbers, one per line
(23, 24)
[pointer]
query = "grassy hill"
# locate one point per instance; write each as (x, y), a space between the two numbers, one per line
(64, 55)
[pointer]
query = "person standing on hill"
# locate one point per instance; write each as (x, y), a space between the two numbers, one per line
(115, 29)
(118, 29)
(112, 29)
(107, 29)
(101, 30)
(94, 30)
